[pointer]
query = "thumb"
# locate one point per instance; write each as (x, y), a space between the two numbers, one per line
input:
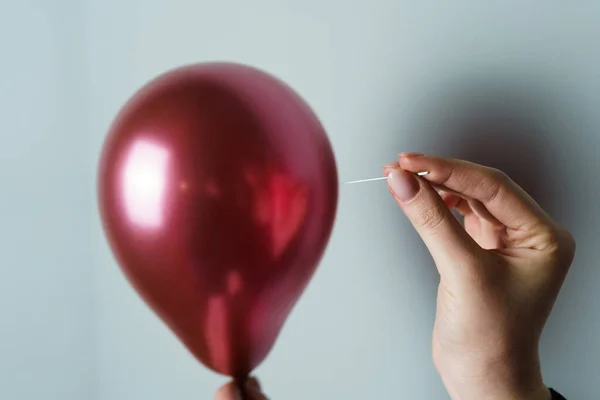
(440, 230)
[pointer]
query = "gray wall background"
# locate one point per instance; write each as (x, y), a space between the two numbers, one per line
(47, 314)
(511, 84)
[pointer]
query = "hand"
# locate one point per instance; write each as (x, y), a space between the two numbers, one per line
(499, 274)
(230, 391)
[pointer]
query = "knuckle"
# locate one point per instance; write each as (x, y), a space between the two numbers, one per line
(450, 174)
(431, 218)
(561, 244)
(496, 180)
(498, 175)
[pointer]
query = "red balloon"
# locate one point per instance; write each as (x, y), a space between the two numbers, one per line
(218, 192)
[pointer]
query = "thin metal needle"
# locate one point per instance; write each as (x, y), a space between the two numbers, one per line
(367, 180)
(422, 173)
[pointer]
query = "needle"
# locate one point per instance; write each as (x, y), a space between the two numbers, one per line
(423, 173)
(366, 180)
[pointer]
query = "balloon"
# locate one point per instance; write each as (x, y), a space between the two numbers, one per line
(218, 191)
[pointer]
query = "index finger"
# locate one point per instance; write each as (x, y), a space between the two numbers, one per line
(503, 198)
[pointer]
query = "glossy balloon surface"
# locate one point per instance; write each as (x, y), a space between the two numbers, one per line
(218, 191)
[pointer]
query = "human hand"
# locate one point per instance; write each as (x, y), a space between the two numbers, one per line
(231, 391)
(499, 274)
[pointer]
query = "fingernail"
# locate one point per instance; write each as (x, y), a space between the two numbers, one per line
(388, 167)
(404, 185)
(410, 154)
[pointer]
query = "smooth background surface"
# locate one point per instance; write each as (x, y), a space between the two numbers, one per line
(511, 84)
(47, 327)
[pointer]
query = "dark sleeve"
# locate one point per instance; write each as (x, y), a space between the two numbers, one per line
(556, 395)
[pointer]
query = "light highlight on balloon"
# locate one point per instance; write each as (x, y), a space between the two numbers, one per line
(144, 181)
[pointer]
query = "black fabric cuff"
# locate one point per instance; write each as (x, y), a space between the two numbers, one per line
(556, 395)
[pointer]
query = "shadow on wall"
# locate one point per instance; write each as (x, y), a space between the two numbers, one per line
(505, 124)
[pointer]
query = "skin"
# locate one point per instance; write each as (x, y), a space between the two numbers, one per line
(500, 273)
(230, 391)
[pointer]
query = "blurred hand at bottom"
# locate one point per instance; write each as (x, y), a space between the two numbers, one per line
(231, 391)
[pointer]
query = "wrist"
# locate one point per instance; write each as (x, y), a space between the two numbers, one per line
(503, 380)
(494, 390)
